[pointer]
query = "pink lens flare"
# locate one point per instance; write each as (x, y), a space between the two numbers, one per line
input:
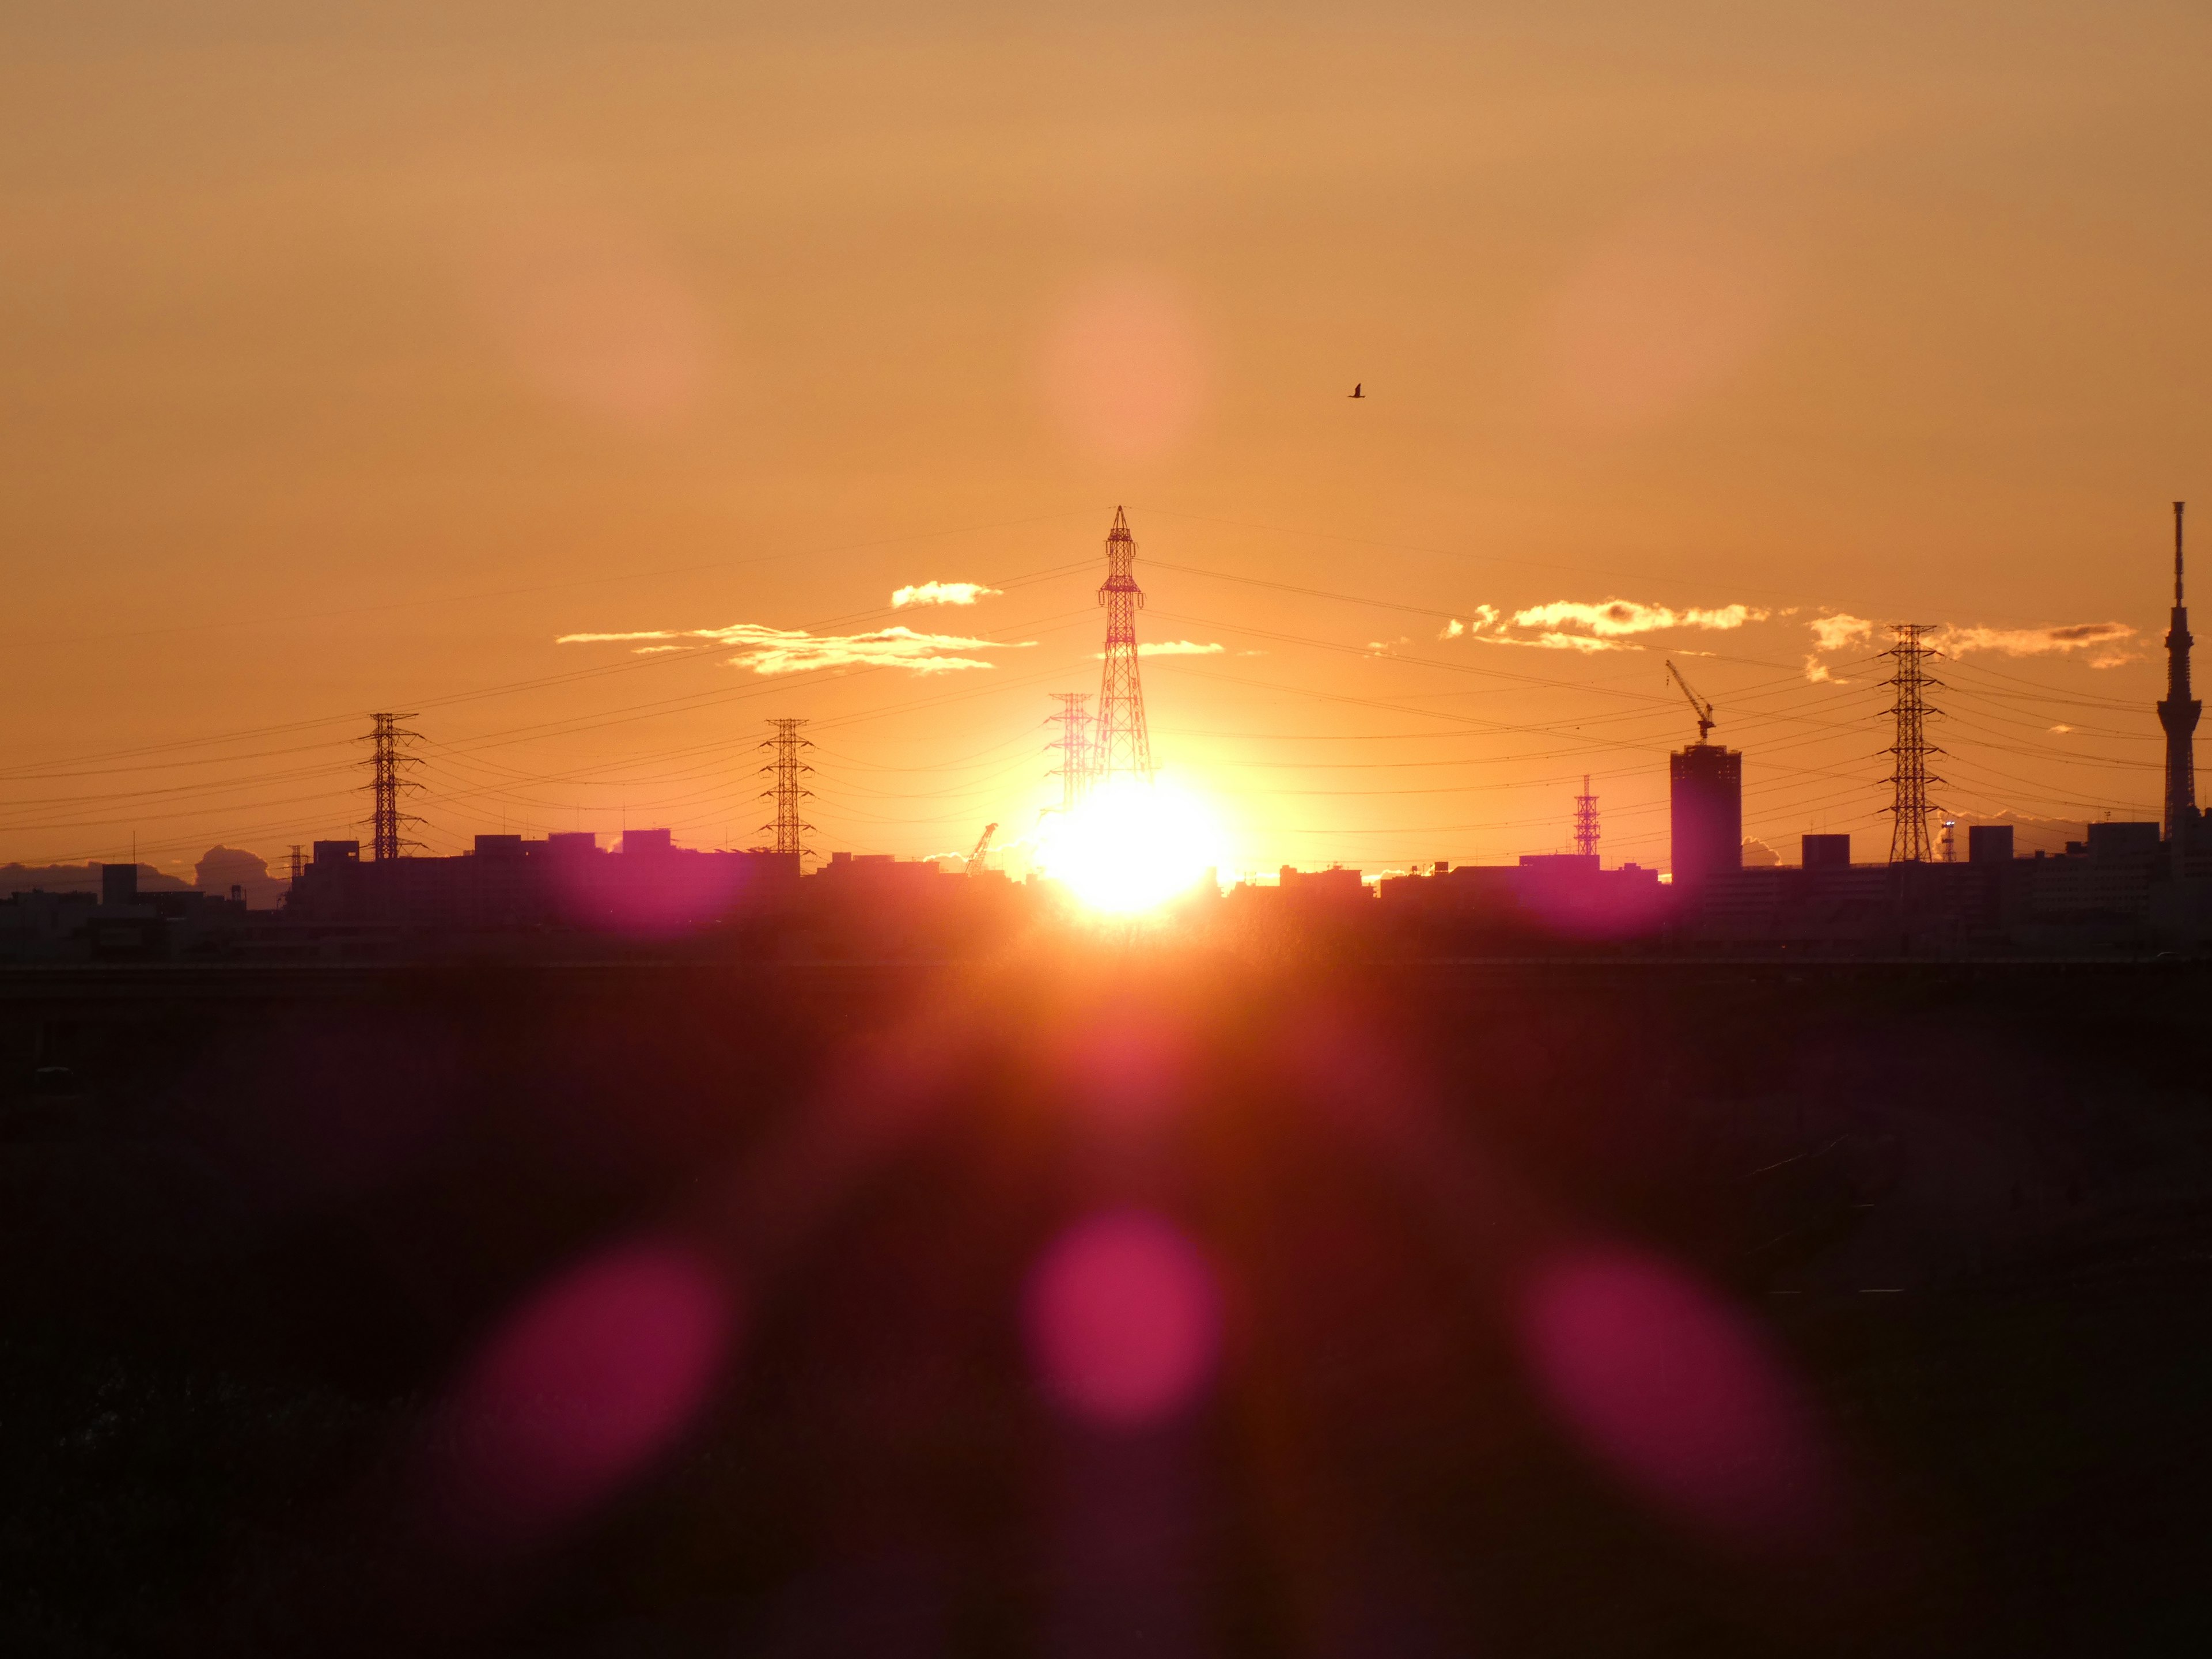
(1665, 309)
(595, 315)
(1123, 1320)
(1679, 1396)
(1128, 1077)
(1126, 367)
(578, 1392)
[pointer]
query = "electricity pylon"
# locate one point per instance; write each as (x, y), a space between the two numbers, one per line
(787, 768)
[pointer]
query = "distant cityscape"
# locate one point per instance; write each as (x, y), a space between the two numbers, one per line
(2125, 887)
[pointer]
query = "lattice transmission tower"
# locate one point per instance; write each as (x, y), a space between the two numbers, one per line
(388, 761)
(1909, 840)
(1122, 747)
(1586, 821)
(1074, 745)
(787, 770)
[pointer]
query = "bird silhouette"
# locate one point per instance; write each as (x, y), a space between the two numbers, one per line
(1356, 391)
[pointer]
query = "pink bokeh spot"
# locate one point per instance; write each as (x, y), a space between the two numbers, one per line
(1126, 367)
(1123, 1320)
(578, 1392)
(1127, 1079)
(1678, 1395)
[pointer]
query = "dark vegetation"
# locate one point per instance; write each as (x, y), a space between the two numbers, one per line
(251, 1224)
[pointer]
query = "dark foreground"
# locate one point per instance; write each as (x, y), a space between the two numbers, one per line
(1163, 1308)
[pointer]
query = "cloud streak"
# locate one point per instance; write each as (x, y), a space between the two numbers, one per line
(2108, 644)
(2105, 645)
(1586, 643)
(1175, 648)
(941, 593)
(767, 650)
(1591, 626)
(1613, 618)
(1839, 631)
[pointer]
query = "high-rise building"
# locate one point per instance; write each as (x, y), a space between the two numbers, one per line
(1706, 799)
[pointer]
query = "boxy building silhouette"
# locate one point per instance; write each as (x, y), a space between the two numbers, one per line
(1706, 803)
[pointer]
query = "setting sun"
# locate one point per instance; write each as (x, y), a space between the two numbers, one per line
(1131, 846)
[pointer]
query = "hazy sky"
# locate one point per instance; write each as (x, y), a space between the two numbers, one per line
(355, 355)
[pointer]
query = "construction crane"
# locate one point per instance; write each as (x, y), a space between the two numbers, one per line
(1703, 709)
(976, 859)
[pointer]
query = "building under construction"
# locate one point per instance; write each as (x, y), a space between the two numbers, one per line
(1705, 801)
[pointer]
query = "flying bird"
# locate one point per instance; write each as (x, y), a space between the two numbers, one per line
(1356, 391)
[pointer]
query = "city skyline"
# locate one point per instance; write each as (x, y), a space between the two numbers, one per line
(358, 385)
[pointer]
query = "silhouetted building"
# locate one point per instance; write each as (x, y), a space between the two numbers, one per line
(1989, 843)
(1706, 811)
(125, 925)
(1334, 885)
(651, 888)
(2114, 845)
(1824, 851)
(1546, 899)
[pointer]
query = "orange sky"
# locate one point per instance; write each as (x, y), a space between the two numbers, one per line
(356, 355)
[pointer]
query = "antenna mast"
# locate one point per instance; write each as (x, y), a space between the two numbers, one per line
(2178, 714)
(1586, 821)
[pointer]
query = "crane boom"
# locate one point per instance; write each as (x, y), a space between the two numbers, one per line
(1697, 704)
(975, 860)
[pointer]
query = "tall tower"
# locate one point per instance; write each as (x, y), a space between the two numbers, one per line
(1123, 748)
(1074, 745)
(2179, 713)
(1586, 821)
(386, 757)
(1909, 752)
(787, 768)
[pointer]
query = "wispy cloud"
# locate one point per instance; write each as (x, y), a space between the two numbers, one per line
(1613, 618)
(1839, 631)
(1175, 648)
(794, 651)
(941, 593)
(2108, 644)
(1833, 631)
(1585, 643)
(1589, 626)
(1481, 618)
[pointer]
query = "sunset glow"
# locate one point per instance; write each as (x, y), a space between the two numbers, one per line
(1131, 847)
(1158, 830)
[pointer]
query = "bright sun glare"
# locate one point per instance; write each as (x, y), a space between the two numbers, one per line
(1131, 846)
